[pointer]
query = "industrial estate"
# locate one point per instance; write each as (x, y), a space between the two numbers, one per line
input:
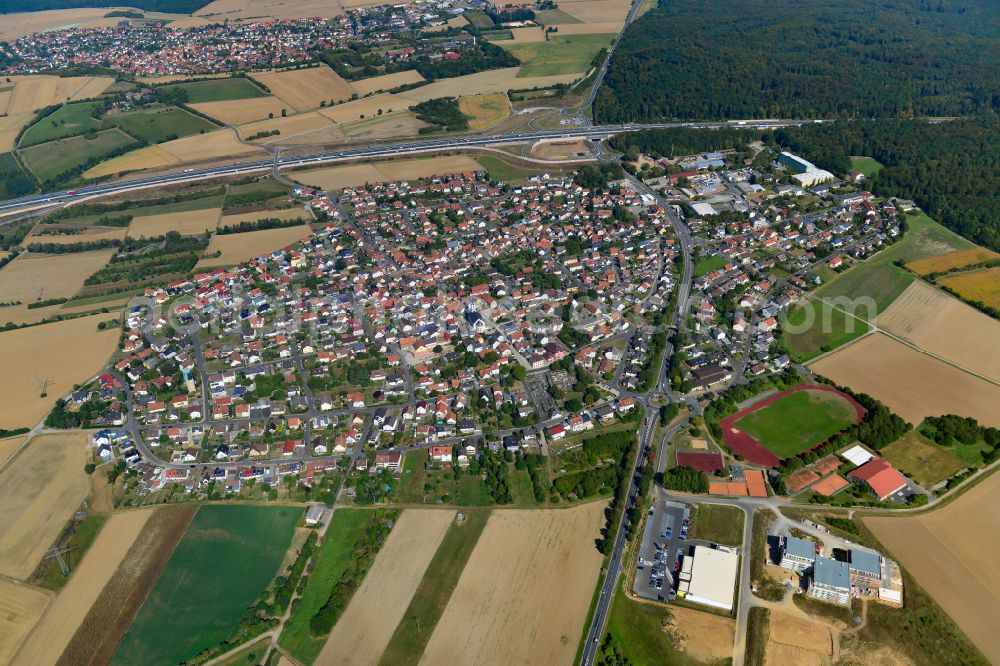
(431, 332)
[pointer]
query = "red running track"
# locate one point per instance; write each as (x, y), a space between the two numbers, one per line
(751, 450)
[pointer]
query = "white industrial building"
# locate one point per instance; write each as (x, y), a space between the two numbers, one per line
(810, 178)
(709, 577)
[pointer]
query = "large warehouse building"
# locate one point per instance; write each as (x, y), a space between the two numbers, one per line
(709, 577)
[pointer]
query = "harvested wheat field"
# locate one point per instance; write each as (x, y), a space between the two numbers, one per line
(237, 248)
(386, 82)
(60, 622)
(39, 491)
(150, 157)
(31, 277)
(297, 124)
(561, 150)
(597, 11)
(107, 618)
(9, 446)
(339, 177)
(788, 629)
(176, 78)
(20, 608)
(38, 91)
(495, 80)
(63, 353)
(591, 28)
(911, 384)
(218, 144)
(703, 636)
(286, 214)
(240, 111)
(20, 24)
(186, 223)
(946, 327)
(10, 127)
(305, 88)
(329, 134)
(982, 286)
(43, 234)
(528, 35)
(952, 553)
(234, 10)
(524, 593)
(484, 110)
(367, 107)
(388, 126)
(424, 168)
(951, 260)
(362, 633)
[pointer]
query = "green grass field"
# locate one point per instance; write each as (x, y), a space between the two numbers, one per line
(68, 120)
(717, 523)
(868, 288)
(636, 629)
(218, 90)
(521, 488)
(706, 265)
(435, 589)
(336, 552)
(554, 17)
(569, 54)
(54, 158)
(806, 343)
(158, 125)
(921, 459)
(227, 558)
(866, 165)
(798, 422)
(479, 19)
(498, 169)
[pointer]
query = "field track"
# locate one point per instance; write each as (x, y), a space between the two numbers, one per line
(745, 445)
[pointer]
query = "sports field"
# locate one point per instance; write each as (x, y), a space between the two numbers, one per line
(524, 593)
(227, 558)
(951, 553)
(158, 125)
(560, 54)
(982, 285)
(218, 90)
(52, 159)
(869, 166)
(788, 423)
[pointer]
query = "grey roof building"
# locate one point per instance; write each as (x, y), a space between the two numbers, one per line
(798, 554)
(831, 581)
(866, 566)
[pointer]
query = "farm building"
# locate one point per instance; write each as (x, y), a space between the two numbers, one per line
(713, 578)
(831, 581)
(314, 514)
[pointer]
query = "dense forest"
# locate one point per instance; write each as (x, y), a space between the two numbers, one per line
(703, 59)
(950, 169)
(169, 6)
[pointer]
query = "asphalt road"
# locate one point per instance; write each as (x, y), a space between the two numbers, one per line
(24, 204)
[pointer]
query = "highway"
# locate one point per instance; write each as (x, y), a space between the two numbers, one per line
(65, 197)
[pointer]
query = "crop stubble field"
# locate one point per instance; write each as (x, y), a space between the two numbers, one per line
(186, 223)
(58, 625)
(795, 640)
(911, 384)
(237, 248)
(303, 89)
(9, 446)
(39, 492)
(362, 633)
(945, 326)
(703, 636)
(951, 260)
(524, 594)
(951, 552)
(335, 178)
(64, 353)
(20, 608)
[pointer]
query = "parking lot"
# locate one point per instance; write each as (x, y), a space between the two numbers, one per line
(664, 544)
